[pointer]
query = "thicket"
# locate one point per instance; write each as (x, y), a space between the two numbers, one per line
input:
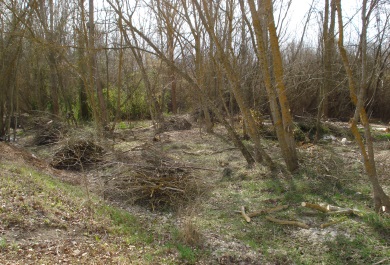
(303, 79)
(37, 83)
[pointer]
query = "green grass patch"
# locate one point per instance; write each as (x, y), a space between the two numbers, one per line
(382, 137)
(126, 225)
(187, 253)
(47, 199)
(3, 243)
(346, 250)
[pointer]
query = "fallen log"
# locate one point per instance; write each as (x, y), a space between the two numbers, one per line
(330, 209)
(315, 207)
(325, 225)
(344, 211)
(339, 210)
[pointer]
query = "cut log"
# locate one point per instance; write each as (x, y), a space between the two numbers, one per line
(315, 207)
(333, 210)
(344, 211)
(246, 217)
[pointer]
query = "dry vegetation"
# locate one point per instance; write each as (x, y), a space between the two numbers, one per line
(153, 179)
(177, 198)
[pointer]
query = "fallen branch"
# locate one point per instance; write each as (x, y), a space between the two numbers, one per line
(344, 211)
(171, 166)
(223, 150)
(331, 223)
(338, 210)
(246, 217)
(381, 261)
(204, 152)
(315, 207)
(197, 153)
(200, 168)
(333, 208)
(330, 209)
(286, 222)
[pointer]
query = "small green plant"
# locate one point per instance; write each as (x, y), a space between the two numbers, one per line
(380, 223)
(126, 225)
(275, 187)
(3, 243)
(125, 221)
(187, 253)
(122, 125)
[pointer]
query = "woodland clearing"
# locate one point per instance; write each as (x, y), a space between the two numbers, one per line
(176, 198)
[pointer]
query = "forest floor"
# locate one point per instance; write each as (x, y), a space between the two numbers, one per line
(99, 216)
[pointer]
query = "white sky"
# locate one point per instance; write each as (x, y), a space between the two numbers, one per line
(298, 14)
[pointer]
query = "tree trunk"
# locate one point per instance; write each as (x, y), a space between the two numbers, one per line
(290, 157)
(327, 57)
(381, 200)
(85, 111)
(281, 117)
(94, 80)
(52, 63)
(261, 156)
(172, 76)
(194, 82)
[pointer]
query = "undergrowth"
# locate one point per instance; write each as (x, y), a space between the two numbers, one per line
(324, 178)
(212, 229)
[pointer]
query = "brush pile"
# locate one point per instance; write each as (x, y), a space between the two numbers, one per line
(77, 155)
(175, 123)
(157, 181)
(49, 132)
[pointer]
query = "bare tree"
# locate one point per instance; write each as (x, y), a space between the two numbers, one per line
(193, 81)
(327, 57)
(381, 200)
(168, 18)
(199, 58)
(227, 58)
(10, 55)
(102, 115)
(279, 104)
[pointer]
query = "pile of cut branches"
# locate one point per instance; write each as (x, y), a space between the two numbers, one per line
(49, 133)
(175, 123)
(158, 181)
(77, 155)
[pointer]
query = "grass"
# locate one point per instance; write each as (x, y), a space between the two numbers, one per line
(3, 243)
(323, 178)
(382, 137)
(186, 253)
(214, 229)
(32, 201)
(123, 125)
(346, 250)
